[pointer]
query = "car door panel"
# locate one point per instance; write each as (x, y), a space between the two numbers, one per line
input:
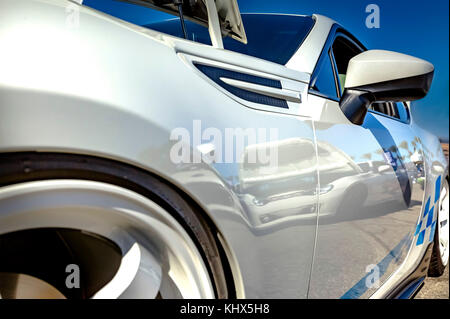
(280, 205)
(364, 219)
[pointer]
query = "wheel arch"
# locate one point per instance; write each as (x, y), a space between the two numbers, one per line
(20, 167)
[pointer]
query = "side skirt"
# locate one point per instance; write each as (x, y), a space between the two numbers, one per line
(411, 285)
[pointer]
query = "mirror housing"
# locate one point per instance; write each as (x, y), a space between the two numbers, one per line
(383, 76)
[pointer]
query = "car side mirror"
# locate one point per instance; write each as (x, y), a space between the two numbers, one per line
(379, 76)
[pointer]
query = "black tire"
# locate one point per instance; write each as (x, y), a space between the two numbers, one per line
(32, 166)
(436, 267)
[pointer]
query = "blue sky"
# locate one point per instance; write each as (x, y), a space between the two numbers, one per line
(419, 28)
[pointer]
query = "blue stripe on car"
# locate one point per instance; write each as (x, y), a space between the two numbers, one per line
(430, 217)
(394, 255)
(360, 287)
(418, 228)
(437, 191)
(420, 238)
(427, 207)
(433, 229)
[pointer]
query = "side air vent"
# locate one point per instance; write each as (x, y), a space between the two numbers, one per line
(250, 87)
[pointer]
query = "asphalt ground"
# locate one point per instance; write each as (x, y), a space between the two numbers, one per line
(435, 288)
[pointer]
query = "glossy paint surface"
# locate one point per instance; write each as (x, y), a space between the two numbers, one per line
(91, 102)
(342, 196)
(373, 198)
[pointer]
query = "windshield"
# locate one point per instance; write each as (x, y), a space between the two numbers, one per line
(272, 37)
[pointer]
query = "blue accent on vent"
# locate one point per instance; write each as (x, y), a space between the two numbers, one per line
(215, 74)
(420, 238)
(437, 191)
(430, 217)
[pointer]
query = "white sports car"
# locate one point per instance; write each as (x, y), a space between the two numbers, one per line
(212, 155)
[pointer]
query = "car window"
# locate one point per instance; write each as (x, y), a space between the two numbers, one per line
(393, 109)
(325, 82)
(343, 51)
(272, 37)
(386, 108)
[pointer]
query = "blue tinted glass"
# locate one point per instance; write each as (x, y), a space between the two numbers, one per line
(324, 82)
(270, 37)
